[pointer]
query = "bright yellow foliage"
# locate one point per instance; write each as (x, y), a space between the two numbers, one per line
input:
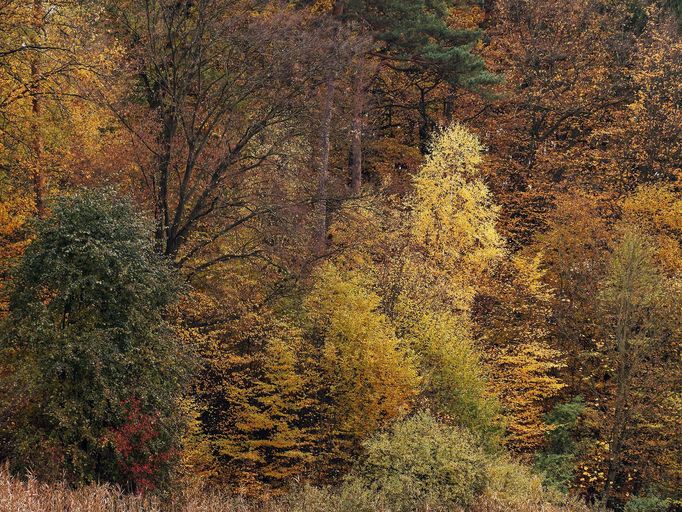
(452, 224)
(369, 375)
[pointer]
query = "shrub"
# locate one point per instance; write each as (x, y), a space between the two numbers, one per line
(511, 482)
(420, 462)
(647, 504)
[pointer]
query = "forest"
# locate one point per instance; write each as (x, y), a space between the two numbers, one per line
(340, 255)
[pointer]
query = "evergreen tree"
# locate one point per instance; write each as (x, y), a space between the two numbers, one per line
(557, 461)
(417, 36)
(89, 350)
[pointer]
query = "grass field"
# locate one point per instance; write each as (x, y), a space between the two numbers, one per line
(32, 496)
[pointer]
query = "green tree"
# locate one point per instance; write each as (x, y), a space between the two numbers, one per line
(416, 33)
(421, 462)
(557, 461)
(89, 350)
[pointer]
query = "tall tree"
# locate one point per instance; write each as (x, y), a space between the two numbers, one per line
(86, 341)
(222, 88)
(631, 297)
(513, 317)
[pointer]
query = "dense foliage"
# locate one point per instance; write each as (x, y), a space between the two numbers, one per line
(343, 214)
(94, 369)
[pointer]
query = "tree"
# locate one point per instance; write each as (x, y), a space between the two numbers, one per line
(557, 461)
(445, 246)
(452, 235)
(453, 374)
(90, 350)
(631, 294)
(574, 250)
(514, 319)
(49, 62)
(368, 373)
(566, 73)
(275, 432)
(220, 82)
(417, 39)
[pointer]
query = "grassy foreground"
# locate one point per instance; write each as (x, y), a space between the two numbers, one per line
(33, 496)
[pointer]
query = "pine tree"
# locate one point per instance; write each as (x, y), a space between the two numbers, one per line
(416, 33)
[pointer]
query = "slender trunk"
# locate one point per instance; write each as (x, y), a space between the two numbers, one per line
(165, 232)
(356, 131)
(322, 203)
(623, 335)
(323, 164)
(617, 436)
(426, 123)
(38, 173)
(448, 108)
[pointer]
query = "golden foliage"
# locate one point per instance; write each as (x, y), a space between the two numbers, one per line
(369, 373)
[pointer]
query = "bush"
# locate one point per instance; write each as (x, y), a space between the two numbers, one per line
(510, 482)
(421, 462)
(647, 504)
(93, 365)
(351, 497)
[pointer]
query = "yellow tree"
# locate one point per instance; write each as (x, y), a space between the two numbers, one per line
(274, 434)
(452, 233)
(654, 213)
(657, 211)
(514, 319)
(450, 245)
(368, 375)
(643, 141)
(631, 295)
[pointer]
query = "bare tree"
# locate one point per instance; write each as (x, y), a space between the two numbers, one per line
(223, 87)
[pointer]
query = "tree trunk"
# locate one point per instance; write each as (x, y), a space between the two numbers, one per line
(38, 174)
(623, 336)
(323, 164)
(356, 131)
(426, 125)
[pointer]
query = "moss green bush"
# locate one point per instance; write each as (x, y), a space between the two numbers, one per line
(422, 463)
(647, 504)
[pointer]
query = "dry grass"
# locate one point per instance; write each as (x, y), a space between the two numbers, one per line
(32, 496)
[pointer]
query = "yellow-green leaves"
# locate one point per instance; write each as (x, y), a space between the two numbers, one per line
(452, 224)
(369, 373)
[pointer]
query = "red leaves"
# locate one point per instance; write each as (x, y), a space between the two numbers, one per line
(141, 454)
